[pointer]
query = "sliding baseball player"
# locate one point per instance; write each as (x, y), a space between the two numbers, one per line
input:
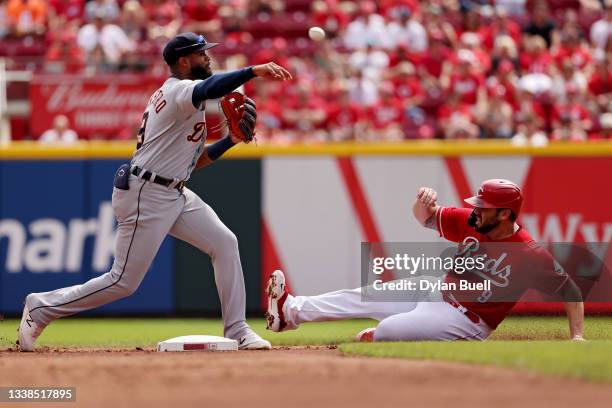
(448, 314)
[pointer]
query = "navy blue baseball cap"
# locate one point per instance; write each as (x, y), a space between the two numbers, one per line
(185, 44)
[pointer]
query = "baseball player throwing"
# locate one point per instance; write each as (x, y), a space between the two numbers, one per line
(447, 315)
(150, 199)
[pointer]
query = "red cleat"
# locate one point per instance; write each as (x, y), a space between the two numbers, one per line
(366, 335)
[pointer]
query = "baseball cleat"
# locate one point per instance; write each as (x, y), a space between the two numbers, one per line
(28, 330)
(277, 294)
(252, 341)
(366, 335)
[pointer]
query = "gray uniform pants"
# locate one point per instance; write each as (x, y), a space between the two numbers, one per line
(146, 213)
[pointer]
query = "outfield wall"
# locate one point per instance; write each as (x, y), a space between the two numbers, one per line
(305, 209)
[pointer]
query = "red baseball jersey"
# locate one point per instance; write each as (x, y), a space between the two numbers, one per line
(513, 265)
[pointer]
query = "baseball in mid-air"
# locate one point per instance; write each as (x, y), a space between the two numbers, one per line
(316, 34)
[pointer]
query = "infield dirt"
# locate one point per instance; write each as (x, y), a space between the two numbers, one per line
(310, 377)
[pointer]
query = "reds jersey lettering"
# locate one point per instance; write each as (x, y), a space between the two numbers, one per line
(514, 264)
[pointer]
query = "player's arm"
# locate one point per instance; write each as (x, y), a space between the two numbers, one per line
(218, 85)
(425, 207)
(215, 150)
(574, 309)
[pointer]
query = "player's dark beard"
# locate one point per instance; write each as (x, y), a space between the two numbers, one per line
(483, 229)
(201, 72)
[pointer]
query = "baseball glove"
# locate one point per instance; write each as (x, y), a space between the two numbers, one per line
(240, 114)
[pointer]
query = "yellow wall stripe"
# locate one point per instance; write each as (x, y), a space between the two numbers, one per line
(124, 150)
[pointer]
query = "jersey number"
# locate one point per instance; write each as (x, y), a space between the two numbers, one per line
(141, 132)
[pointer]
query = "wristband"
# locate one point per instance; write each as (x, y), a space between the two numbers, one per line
(217, 149)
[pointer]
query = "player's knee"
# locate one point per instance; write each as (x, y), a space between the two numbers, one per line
(124, 288)
(227, 243)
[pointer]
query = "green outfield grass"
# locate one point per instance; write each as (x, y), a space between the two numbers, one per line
(591, 360)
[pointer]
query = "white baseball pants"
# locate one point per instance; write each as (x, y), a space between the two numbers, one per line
(146, 213)
(433, 319)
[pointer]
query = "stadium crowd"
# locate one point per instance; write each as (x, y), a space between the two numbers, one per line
(532, 71)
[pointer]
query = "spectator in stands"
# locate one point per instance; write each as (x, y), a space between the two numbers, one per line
(69, 9)
(134, 21)
(567, 74)
(269, 111)
(368, 28)
(108, 36)
(406, 30)
(514, 8)
(570, 119)
(541, 23)
(470, 18)
(305, 113)
(330, 16)
(387, 115)
(64, 56)
(527, 104)
(571, 24)
(505, 75)
(435, 22)
(372, 62)
(601, 30)
(27, 16)
(574, 48)
(393, 8)
(344, 118)
(97, 63)
(461, 128)
(108, 8)
(60, 133)
(363, 90)
(201, 16)
(406, 84)
(165, 18)
(434, 58)
(536, 58)
(453, 113)
(461, 76)
(501, 25)
(494, 114)
(504, 50)
(256, 7)
(530, 132)
(605, 127)
(471, 41)
(600, 85)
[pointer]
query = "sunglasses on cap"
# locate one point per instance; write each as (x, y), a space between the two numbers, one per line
(201, 41)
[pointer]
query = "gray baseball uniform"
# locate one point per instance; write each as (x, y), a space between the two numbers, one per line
(169, 144)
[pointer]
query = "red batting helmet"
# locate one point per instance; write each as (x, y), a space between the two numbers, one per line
(497, 193)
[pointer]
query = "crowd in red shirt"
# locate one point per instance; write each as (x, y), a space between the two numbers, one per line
(532, 71)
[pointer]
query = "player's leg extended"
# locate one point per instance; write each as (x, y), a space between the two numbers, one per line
(288, 312)
(145, 214)
(342, 304)
(431, 321)
(200, 226)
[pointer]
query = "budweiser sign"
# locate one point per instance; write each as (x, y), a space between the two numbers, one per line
(96, 106)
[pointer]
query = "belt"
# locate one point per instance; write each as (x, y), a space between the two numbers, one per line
(157, 179)
(468, 313)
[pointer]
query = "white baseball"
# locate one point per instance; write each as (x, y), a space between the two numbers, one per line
(316, 34)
